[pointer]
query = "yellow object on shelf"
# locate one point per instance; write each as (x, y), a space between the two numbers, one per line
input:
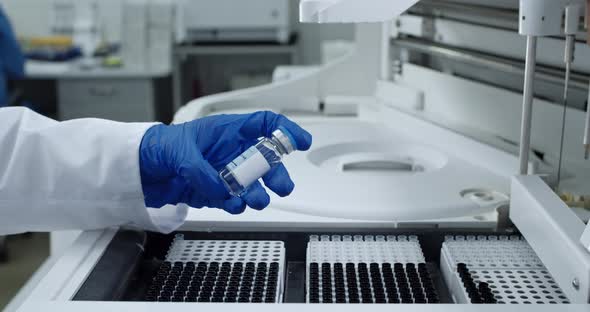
(574, 201)
(48, 41)
(112, 61)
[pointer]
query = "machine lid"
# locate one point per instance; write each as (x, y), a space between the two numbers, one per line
(366, 171)
(352, 11)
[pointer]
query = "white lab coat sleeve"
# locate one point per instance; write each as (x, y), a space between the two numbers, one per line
(78, 174)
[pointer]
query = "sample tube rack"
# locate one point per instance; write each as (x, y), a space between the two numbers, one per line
(220, 271)
(496, 269)
(367, 269)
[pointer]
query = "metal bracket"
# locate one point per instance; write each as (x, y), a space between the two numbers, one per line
(553, 230)
(585, 239)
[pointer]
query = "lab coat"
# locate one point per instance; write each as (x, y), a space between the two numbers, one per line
(78, 174)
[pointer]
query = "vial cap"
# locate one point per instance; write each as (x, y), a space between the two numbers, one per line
(286, 139)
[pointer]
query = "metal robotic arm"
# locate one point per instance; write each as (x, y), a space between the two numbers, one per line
(540, 18)
(537, 18)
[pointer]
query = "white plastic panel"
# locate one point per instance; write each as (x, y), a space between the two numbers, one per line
(222, 14)
(351, 11)
(386, 194)
(553, 231)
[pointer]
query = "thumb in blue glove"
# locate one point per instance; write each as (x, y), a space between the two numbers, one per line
(180, 163)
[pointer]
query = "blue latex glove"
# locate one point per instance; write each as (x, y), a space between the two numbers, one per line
(181, 163)
(12, 60)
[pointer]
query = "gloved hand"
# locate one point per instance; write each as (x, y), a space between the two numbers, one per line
(12, 60)
(180, 163)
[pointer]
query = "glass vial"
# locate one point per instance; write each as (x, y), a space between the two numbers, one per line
(256, 161)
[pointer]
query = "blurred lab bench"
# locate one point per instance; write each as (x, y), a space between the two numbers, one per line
(122, 94)
(183, 53)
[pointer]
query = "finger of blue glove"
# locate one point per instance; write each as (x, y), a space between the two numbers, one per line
(202, 177)
(234, 205)
(256, 196)
(262, 124)
(279, 181)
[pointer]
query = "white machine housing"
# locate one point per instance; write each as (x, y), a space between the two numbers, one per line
(461, 117)
(240, 21)
(351, 11)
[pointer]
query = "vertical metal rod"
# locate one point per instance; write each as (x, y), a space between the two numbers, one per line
(177, 99)
(568, 58)
(587, 128)
(527, 103)
(386, 73)
(563, 120)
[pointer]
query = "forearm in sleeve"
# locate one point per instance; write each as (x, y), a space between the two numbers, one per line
(78, 174)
